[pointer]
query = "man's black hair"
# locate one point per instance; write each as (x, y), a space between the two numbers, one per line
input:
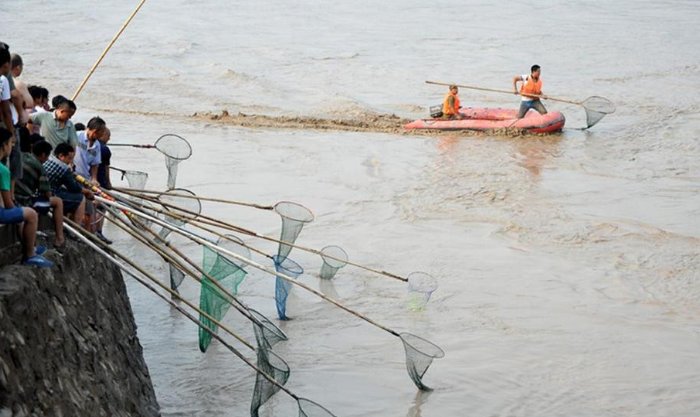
(63, 148)
(42, 147)
(4, 56)
(56, 101)
(44, 93)
(35, 91)
(25, 144)
(65, 103)
(5, 135)
(96, 123)
(79, 127)
(16, 61)
(534, 68)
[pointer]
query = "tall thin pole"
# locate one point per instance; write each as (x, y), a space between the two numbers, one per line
(109, 46)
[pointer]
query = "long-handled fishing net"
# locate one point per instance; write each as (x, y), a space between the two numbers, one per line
(176, 274)
(420, 287)
(294, 217)
(229, 274)
(596, 107)
(331, 263)
(332, 257)
(174, 147)
(274, 370)
(288, 267)
(419, 352)
(136, 179)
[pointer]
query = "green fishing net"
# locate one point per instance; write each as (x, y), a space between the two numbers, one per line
(211, 299)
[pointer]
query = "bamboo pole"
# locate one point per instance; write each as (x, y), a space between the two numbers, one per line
(256, 265)
(201, 218)
(104, 53)
(102, 249)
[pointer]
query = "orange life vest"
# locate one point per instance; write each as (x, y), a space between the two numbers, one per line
(446, 110)
(531, 86)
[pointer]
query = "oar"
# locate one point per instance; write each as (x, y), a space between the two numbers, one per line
(595, 106)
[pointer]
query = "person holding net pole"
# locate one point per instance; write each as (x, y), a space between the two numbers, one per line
(530, 90)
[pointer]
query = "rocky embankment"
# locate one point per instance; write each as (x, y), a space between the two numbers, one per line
(68, 344)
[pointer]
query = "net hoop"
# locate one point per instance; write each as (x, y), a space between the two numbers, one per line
(136, 179)
(599, 104)
(235, 245)
(287, 266)
(421, 345)
(308, 408)
(267, 325)
(174, 147)
(294, 211)
(191, 204)
(422, 282)
(338, 256)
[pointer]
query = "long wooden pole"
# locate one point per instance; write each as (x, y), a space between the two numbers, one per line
(203, 219)
(110, 253)
(494, 90)
(194, 197)
(256, 265)
(104, 53)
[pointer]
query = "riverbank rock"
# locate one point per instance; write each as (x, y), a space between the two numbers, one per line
(68, 344)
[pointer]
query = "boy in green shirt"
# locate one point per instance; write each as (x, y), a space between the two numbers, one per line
(9, 214)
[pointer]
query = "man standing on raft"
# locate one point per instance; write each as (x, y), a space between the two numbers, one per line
(451, 105)
(531, 90)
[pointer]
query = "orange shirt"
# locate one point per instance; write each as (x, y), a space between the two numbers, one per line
(450, 109)
(531, 86)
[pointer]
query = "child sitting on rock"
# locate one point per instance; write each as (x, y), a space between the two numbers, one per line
(9, 214)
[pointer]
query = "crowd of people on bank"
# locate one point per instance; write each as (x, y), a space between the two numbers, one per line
(41, 154)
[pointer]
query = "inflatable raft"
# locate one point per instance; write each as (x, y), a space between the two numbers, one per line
(485, 120)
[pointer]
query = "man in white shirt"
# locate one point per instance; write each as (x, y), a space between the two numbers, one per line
(89, 155)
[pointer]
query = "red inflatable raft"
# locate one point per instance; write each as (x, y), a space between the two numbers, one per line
(483, 119)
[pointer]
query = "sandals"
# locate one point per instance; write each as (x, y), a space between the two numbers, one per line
(38, 260)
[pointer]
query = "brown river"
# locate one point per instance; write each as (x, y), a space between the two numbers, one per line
(568, 265)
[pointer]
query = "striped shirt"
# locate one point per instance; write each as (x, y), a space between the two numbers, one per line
(60, 176)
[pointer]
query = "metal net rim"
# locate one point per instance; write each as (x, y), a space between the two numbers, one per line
(168, 155)
(285, 266)
(314, 404)
(181, 191)
(405, 337)
(306, 217)
(266, 323)
(229, 239)
(421, 286)
(604, 106)
(278, 363)
(335, 263)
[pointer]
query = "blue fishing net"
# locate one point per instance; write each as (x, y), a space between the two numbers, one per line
(282, 287)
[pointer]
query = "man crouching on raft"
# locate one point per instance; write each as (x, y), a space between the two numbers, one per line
(531, 90)
(450, 106)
